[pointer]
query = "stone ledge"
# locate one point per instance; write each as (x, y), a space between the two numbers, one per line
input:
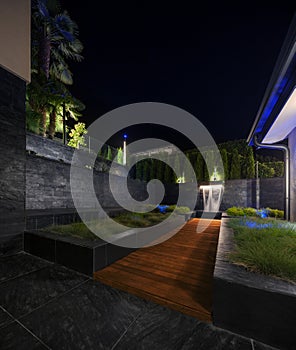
(251, 304)
(84, 256)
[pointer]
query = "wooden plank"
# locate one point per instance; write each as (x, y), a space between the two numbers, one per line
(177, 273)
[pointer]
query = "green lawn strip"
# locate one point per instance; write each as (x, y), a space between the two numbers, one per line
(80, 230)
(268, 246)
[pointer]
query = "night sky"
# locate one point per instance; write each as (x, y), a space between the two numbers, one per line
(214, 62)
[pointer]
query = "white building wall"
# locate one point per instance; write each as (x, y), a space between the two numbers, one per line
(15, 26)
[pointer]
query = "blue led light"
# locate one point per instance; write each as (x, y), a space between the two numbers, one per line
(252, 224)
(162, 208)
(125, 136)
(263, 213)
(273, 99)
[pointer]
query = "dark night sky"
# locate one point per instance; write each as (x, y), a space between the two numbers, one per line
(214, 62)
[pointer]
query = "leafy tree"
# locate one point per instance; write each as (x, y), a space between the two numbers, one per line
(265, 170)
(146, 170)
(47, 101)
(109, 153)
(72, 108)
(32, 119)
(235, 167)
(240, 145)
(199, 167)
(187, 170)
(209, 164)
(279, 168)
(150, 168)
(160, 167)
(249, 164)
(139, 170)
(271, 169)
(224, 157)
(37, 99)
(177, 167)
(169, 176)
(206, 175)
(155, 166)
(119, 156)
(77, 135)
(54, 41)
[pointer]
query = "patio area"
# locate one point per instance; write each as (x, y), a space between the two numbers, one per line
(47, 306)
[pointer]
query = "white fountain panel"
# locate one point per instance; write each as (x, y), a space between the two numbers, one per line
(212, 196)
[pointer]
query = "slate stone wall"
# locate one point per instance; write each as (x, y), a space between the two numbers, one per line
(48, 185)
(272, 193)
(12, 162)
(55, 150)
(241, 193)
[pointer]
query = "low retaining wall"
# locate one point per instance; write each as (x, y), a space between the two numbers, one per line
(80, 255)
(250, 304)
(50, 149)
(241, 193)
(48, 173)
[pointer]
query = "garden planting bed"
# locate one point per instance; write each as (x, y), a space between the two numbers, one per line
(251, 304)
(86, 256)
(74, 246)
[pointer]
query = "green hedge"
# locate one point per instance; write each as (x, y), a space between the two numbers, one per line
(247, 211)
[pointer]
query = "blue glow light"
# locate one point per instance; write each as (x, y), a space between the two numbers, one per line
(263, 213)
(252, 224)
(125, 136)
(277, 91)
(162, 208)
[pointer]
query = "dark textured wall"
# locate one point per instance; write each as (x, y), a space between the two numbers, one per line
(48, 185)
(272, 193)
(12, 161)
(241, 193)
(51, 149)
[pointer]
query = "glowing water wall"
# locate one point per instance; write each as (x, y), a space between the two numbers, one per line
(212, 197)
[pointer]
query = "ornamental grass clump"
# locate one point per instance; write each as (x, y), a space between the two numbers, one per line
(266, 246)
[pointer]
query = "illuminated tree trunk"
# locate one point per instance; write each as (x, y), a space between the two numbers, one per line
(43, 122)
(44, 56)
(52, 124)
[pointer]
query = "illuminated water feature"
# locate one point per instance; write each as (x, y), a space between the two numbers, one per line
(212, 196)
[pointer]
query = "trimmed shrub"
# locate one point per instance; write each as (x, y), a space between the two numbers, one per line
(249, 211)
(241, 211)
(235, 211)
(275, 213)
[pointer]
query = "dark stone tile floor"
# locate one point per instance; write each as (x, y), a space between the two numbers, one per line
(46, 306)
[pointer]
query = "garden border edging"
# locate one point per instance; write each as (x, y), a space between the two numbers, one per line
(84, 256)
(250, 304)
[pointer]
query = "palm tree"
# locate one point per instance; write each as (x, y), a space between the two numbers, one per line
(37, 99)
(54, 40)
(64, 106)
(47, 101)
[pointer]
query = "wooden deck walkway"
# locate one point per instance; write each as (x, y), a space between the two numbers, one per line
(177, 273)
